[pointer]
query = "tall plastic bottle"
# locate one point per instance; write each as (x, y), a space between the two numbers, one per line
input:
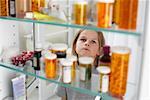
(125, 13)
(104, 13)
(80, 12)
(37, 4)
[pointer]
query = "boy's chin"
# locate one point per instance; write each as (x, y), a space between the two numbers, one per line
(85, 55)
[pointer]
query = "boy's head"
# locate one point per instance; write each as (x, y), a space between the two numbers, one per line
(88, 43)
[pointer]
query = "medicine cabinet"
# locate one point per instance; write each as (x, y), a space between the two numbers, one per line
(22, 34)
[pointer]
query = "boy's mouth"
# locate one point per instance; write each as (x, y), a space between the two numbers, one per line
(85, 49)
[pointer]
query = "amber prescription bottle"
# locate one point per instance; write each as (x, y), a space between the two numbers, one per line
(85, 68)
(66, 70)
(50, 65)
(3, 8)
(104, 13)
(104, 72)
(80, 12)
(37, 4)
(119, 71)
(125, 13)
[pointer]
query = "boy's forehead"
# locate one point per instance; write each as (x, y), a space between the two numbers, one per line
(89, 34)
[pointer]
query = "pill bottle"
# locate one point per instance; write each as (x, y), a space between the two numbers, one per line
(125, 13)
(104, 13)
(66, 70)
(12, 8)
(59, 49)
(50, 65)
(104, 72)
(105, 59)
(37, 4)
(74, 66)
(3, 8)
(22, 6)
(119, 71)
(85, 68)
(80, 12)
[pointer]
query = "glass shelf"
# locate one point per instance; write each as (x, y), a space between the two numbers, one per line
(78, 86)
(81, 87)
(65, 24)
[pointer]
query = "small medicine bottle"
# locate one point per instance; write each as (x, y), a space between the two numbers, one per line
(12, 8)
(59, 49)
(85, 68)
(50, 65)
(104, 78)
(74, 66)
(37, 56)
(66, 70)
(105, 59)
(104, 13)
(42, 59)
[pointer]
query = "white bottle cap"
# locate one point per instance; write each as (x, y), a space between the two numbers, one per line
(81, 2)
(120, 50)
(38, 46)
(59, 46)
(86, 60)
(72, 58)
(103, 69)
(29, 15)
(50, 56)
(66, 62)
(106, 1)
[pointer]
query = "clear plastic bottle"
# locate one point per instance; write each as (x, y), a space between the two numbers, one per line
(66, 70)
(85, 68)
(74, 66)
(104, 78)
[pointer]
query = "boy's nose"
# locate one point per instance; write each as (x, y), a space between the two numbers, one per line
(87, 43)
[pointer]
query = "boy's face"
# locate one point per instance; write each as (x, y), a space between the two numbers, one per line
(87, 44)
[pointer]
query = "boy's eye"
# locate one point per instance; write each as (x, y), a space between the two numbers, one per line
(93, 42)
(83, 40)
